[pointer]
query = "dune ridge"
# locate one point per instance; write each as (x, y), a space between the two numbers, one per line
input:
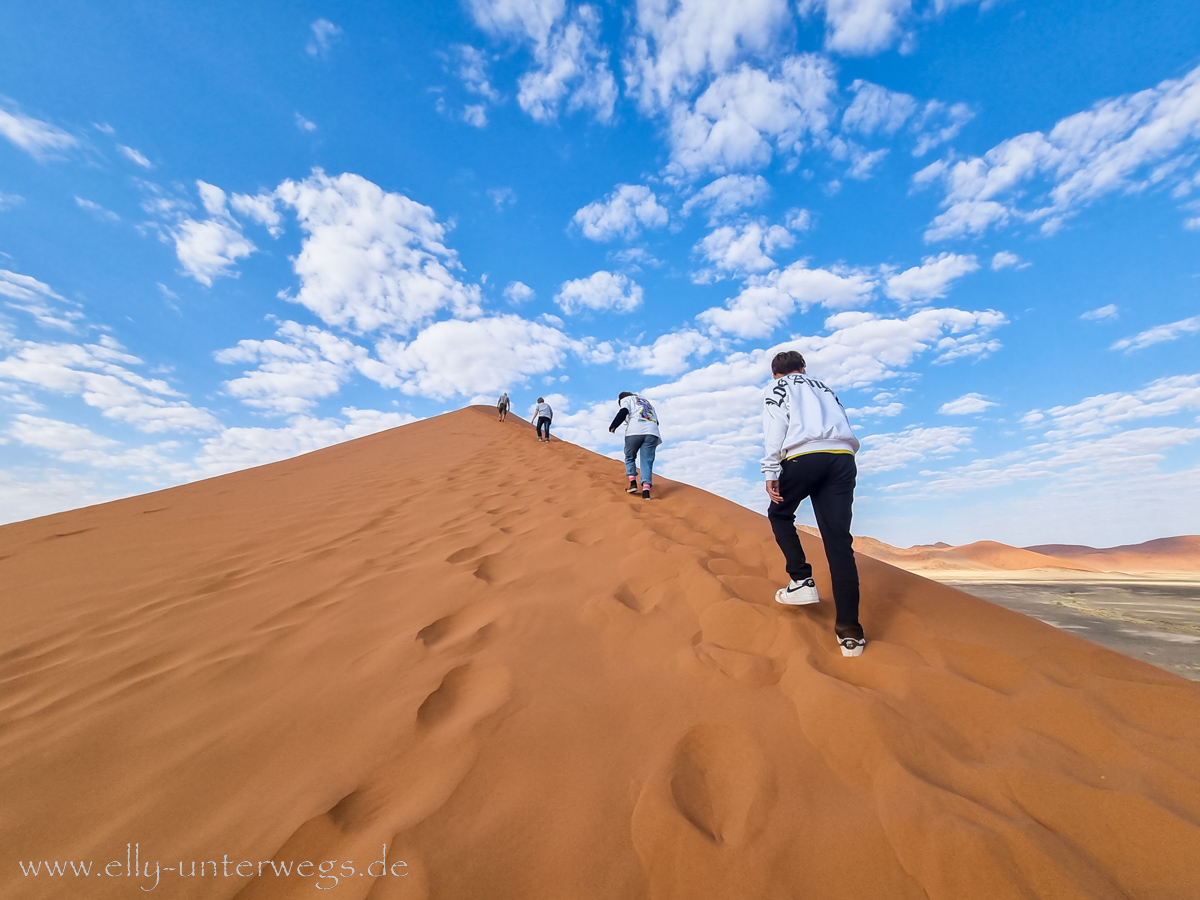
(479, 650)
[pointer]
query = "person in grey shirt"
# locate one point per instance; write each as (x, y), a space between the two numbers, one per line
(541, 417)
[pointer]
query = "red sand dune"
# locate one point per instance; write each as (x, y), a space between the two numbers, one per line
(1173, 554)
(981, 556)
(479, 650)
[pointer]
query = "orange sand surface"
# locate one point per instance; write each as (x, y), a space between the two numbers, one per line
(479, 650)
(1173, 554)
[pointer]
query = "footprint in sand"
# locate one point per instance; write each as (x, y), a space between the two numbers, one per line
(467, 694)
(466, 625)
(721, 782)
(737, 639)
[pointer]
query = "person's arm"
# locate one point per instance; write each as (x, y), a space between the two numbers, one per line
(775, 428)
(622, 415)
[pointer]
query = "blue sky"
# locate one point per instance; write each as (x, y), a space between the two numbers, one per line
(231, 235)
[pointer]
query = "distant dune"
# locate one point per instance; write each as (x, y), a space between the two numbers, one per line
(1177, 557)
(478, 650)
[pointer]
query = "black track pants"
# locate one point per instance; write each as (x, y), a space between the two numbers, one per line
(828, 478)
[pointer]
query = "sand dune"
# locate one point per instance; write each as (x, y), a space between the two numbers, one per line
(1173, 554)
(479, 650)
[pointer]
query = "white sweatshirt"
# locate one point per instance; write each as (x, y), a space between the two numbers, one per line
(801, 415)
(642, 417)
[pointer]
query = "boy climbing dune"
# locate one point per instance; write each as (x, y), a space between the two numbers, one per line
(810, 453)
(641, 434)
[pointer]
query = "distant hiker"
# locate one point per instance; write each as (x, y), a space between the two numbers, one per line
(542, 416)
(502, 406)
(810, 453)
(641, 434)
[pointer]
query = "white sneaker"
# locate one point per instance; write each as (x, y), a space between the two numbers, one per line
(798, 593)
(851, 640)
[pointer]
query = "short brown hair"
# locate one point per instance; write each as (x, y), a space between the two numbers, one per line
(787, 362)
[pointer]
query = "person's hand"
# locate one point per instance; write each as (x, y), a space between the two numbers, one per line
(611, 430)
(773, 491)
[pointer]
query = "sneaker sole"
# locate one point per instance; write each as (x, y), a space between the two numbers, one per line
(782, 592)
(855, 650)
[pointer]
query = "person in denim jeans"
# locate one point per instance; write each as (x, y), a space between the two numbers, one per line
(641, 437)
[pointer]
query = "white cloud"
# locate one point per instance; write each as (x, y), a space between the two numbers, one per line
(304, 124)
(241, 448)
(623, 213)
(39, 139)
(135, 156)
(99, 374)
(1159, 334)
(475, 115)
(209, 249)
(73, 443)
(1103, 150)
(372, 259)
(521, 19)
(727, 195)
(676, 45)
(745, 116)
(966, 405)
(97, 210)
(38, 299)
(8, 201)
(798, 220)
(938, 123)
(1103, 412)
(600, 291)
(324, 33)
(1101, 313)
(52, 491)
(741, 249)
(876, 110)
(518, 292)
(884, 452)
(472, 70)
(293, 373)
(767, 301)
(669, 353)
(864, 27)
(883, 410)
(259, 207)
(1005, 260)
(573, 67)
(932, 279)
(458, 358)
(502, 196)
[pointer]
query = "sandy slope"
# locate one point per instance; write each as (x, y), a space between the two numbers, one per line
(477, 649)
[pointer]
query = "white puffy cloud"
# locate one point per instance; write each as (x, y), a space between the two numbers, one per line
(104, 215)
(1101, 313)
(49, 491)
(518, 292)
(669, 354)
(741, 249)
(1005, 260)
(520, 19)
(324, 33)
(676, 45)
(861, 27)
(39, 139)
(293, 373)
(465, 358)
(99, 374)
(135, 156)
(600, 291)
(966, 405)
(1128, 143)
(747, 115)
(727, 195)
(304, 124)
(766, 302)
(260, 208)
(883, 452)
(51, 310)
(471, 66)
(210, 248)
(73, 443)
(573, 67)
(1159, 334)
(623, 213)
(876, 110)
(372, 259)
(932, 279)
(241, 448)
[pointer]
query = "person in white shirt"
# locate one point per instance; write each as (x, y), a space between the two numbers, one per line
(542, 416)
(810, 453)
(641, 435)
(502, 406)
